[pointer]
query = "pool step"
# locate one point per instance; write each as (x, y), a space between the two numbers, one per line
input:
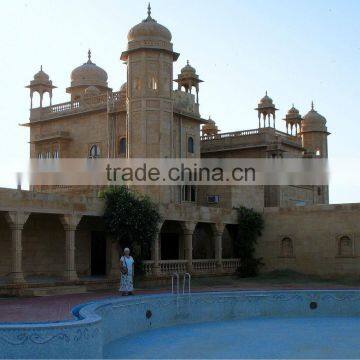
(54, 290)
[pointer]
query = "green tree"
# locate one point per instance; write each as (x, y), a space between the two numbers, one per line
(251, 224)
(131, 219)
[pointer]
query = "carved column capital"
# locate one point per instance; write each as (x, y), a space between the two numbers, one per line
(70, 221)
(218, 228)
(188, 227)
(16, 219)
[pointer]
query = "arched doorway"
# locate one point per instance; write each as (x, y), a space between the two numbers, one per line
(171, 241)
(203, 242)
(228, 241)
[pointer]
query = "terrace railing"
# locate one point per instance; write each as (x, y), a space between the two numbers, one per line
(204, 266)
(230, 265)
(112, 102)
(200, 266)
(230, 134)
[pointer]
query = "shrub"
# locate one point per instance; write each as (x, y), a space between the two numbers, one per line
(131, 219)
(251, 224)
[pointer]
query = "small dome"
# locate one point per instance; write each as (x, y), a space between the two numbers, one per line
(209, 128)
(293, 111)
(188, 68)
(266, 100)
(92, 91)
(41, 75)
(41, 78)
(313, 121)
(314, 117)
(89, 74)
(149, 29)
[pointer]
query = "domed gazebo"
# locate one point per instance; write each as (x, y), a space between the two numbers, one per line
(41, 84)
(293, 118)
(266, 108)
(189, 79)
(209, 128)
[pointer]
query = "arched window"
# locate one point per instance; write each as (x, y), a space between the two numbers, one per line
(94, 151)
(345, 246)
(122, 146)
(190, 145)
(287, 249)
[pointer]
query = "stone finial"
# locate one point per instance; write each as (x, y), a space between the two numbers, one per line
(89, 55)
(149, 10)
(312, 105)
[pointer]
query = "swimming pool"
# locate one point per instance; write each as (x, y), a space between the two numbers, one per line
(248, 324)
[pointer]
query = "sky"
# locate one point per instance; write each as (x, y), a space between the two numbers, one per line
(299, 51)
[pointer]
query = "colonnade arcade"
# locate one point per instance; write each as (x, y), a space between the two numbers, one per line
(73, 247)
(194, 247)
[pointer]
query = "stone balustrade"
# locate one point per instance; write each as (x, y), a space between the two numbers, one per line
(199, 266)
(114, 102)
(167, 267)
(204, 265)
(234, 134)
(230, 134)
(230, 265)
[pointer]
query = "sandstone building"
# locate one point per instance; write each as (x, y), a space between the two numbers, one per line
(57, 233)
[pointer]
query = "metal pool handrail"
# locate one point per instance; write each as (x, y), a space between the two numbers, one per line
(187, 276)
(173, 276)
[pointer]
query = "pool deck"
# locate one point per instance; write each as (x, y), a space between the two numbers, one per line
(58, 307)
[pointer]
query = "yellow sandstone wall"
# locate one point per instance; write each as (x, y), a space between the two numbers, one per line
(324, 240)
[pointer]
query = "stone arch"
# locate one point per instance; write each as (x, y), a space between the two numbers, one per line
(43, 243)
(5, 247)
(345, 246)
(94, 151)
(191, 145)
(286, 247)
(35, 100)
(92, 247)
(172, 241)
(203, 241)
(122, 146)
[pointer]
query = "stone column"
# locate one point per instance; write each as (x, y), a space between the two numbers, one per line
(16, 221)
(156, 256)
(218, 233)
(188, 231)
(70, 223)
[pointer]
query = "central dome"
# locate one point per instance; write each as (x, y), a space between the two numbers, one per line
(89, 74)
(149, 29)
